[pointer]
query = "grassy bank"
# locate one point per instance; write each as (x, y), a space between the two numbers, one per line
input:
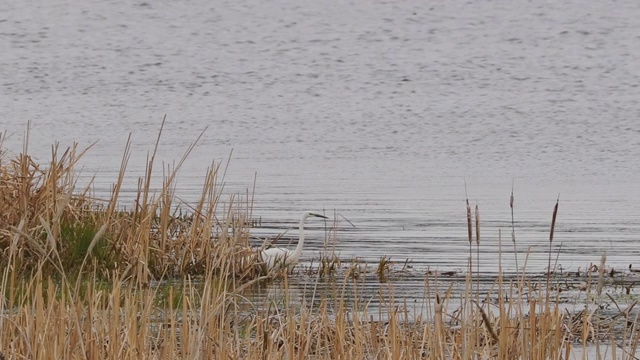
(82, 278)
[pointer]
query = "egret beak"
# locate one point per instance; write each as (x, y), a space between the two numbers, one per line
(318, 215)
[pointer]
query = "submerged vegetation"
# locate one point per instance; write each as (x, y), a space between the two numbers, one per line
(83, 278)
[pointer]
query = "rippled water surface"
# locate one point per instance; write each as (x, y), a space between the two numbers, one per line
(377, 112)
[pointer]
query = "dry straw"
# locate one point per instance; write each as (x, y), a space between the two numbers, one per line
(83, 278)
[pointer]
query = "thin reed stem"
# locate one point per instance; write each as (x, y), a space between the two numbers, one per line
(553, 225)
(513, 229)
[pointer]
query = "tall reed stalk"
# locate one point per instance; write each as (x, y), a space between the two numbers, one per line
(513, 229)
(551, 231)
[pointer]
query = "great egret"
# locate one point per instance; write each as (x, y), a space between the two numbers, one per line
(279, 258)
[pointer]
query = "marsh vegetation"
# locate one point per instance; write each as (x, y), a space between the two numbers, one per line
(92, 278)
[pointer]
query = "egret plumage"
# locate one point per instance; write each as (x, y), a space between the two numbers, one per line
(279, 258)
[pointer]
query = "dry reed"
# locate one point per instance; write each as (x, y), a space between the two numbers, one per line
(78, 283)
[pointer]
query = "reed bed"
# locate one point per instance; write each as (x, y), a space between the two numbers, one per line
(84, 279)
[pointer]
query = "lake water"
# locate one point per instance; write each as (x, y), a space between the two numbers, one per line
(376, 111)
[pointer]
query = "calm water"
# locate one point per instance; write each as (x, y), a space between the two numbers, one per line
(379, 111)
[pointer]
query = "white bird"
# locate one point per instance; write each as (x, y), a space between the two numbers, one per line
(279, 258)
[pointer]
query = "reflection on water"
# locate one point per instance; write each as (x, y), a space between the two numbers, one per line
(414, 294)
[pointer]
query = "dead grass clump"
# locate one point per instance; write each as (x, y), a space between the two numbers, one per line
(46, 223)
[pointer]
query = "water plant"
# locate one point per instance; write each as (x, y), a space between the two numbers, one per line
(83, 278)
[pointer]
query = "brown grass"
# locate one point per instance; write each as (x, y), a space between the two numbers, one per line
(79, 281)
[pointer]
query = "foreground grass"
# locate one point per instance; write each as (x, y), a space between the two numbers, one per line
(82, 279)
(213, 318)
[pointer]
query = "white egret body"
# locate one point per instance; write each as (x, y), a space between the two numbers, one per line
(278, 258)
